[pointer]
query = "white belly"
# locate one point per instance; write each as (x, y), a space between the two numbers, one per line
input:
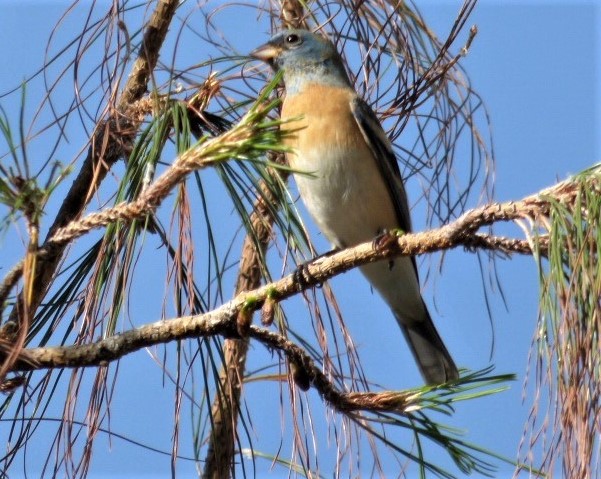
(350, 203)
(346, 197)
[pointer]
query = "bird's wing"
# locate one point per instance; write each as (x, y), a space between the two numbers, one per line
(380, 146)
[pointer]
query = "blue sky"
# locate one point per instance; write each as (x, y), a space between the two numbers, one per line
(536, 65)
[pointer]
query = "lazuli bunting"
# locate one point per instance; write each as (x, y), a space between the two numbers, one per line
(355, 191)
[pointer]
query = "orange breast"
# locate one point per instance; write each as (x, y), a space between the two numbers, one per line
(326, 120)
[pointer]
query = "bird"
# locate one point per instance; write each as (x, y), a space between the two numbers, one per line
(354, 190)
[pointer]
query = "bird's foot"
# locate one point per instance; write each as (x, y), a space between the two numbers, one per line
(301, 274)
(387, 239)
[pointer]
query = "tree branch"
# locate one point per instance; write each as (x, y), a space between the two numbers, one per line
(223, 320)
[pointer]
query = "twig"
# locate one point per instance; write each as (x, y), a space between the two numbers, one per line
(224, 146)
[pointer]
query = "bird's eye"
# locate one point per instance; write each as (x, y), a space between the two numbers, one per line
(293, 39)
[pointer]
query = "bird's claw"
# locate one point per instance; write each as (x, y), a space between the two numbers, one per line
(303, 277)
(385, 239)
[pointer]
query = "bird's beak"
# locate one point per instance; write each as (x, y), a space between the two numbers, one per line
(267, 53)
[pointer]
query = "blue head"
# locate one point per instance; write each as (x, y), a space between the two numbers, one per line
(304, 57)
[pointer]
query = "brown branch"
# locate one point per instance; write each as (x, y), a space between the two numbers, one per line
(9, 282)
(225, 320)
(231, 143)
(224, 146)
(343, 401)
(507, 245)
(221, 322)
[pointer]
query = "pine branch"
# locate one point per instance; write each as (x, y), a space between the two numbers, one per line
(242, 141)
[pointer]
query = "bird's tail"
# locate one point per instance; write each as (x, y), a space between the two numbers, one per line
(432, 357)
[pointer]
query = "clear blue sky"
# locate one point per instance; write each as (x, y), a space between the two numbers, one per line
(536, 65)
